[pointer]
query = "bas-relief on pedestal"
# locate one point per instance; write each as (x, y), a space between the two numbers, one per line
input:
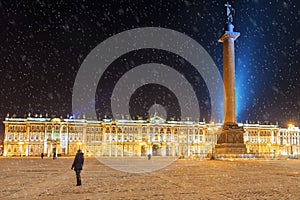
(231, 140)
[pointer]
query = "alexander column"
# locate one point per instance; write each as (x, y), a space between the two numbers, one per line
(231, 139)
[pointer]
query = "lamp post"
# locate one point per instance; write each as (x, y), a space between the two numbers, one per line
(269, 145)
(68, 133)
(123, 147)
(79, 145)
(20, 148)
(122, 143)
(68, 138)
(188, 148)
(1, 148)
(197, 140)
(113, 141)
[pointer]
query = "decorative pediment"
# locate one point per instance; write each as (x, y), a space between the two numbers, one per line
(157, 120)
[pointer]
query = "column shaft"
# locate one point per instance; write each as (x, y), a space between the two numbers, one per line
(229, 81)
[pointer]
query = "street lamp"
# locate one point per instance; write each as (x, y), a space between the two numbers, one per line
(68, 133)
(79, 145)
(68, 138)
(20, 148)
(269, 145)
(111, 144)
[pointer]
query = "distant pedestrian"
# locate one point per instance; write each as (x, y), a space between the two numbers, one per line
(149, 156)
(54, 156)
(42, 155)
(77, 166)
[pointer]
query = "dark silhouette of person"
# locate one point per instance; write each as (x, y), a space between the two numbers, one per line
(77, 166)
(42, 155)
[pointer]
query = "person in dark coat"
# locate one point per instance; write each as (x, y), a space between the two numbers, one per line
(77, 166)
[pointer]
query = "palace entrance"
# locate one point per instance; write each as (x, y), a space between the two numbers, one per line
(156, 150)
(143, 150)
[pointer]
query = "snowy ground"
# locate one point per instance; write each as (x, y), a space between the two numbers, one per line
(34, 178)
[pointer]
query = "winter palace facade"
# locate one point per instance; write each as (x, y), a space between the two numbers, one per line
(32, 136)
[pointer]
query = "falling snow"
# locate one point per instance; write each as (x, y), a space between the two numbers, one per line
(43, 45)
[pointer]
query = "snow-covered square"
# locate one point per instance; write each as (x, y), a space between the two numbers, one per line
(35, 178)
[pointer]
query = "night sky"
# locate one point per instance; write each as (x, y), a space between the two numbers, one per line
(43, 45)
